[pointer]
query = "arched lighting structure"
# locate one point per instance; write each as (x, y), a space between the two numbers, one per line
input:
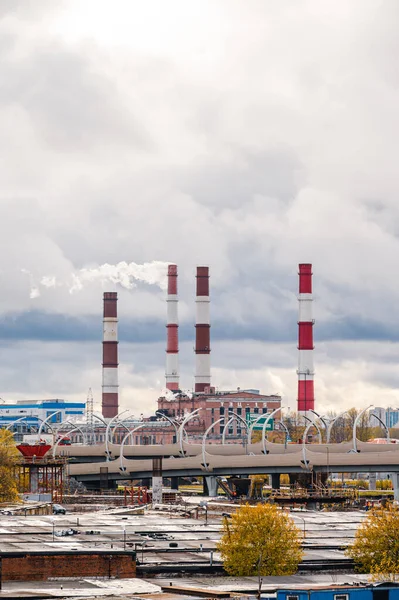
(354, 449)
(234, 417)
(251, 427)
(107, 440)
(45, 422)
(384, 426)
(205, 464)
(321, 418)
(120, 424)
(332, 423)
(284, 426)
(66, 434)
(316, 427)
(121, 457)
(265, 424)
(305, 435)
(84, 437)
(171, 421)
(15, 422)
(182, 426)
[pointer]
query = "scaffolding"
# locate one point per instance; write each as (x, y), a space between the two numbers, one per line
(38, 474)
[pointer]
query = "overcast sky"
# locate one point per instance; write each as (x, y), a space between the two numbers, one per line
(241, 134)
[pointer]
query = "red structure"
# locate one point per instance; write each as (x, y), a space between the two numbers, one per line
(37, 474)
(305, 341)
(31, 451)
(110, 356)
(172, 331)
(202, 332)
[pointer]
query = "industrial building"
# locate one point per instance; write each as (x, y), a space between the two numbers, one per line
(33, 412)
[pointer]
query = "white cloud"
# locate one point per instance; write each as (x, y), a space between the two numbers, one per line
(249, 136)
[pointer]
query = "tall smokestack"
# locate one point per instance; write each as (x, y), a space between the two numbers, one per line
(110, 355)
(305, 341)
(172, 332)
(202, 332)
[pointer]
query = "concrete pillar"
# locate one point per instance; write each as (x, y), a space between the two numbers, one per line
(276, 481)
(395, 481)
(174, 483)
(212, 485)
(372, 481)
(156, 490)
(34, 480)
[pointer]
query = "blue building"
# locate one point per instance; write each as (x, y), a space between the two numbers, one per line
(383, 591)
(31, 413)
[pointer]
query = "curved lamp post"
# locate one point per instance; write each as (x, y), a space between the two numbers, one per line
(66, 434)
(46, 422)
(181, 428)
(171, 421)
(384, 426)
(332, 423)
(121, 457)
(251, 427)
(355, 427)
(204, 441)
(265, 424)
(287, 433)
(305, 435)
(316, 427)
(84, 438)
(234, 417)
(14, 423)
(107, 440)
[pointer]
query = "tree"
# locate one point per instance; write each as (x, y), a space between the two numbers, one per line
(260, 540)
(376, 546)
(8, 459)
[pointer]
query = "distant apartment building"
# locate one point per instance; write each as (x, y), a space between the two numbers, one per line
(389, 416)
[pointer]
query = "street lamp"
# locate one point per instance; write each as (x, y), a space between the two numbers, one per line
(204, 505)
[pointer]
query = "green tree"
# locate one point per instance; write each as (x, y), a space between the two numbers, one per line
(260, 540)
(376, 546)
(8, 459)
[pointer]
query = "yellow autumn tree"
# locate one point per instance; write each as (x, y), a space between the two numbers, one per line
(8, 458)
(376, 546)
(260, 540)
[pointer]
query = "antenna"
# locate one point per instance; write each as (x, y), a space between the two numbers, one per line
(91, 437)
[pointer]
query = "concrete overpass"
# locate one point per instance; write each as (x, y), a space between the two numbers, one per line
(232, 459)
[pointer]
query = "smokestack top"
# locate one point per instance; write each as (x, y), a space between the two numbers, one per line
(110, 305)
(172, 280)
(202, 281)
(305, 278)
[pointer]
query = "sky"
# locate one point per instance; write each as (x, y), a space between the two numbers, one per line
(245, 135)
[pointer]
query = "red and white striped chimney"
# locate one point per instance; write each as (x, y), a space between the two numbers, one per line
(202, 332)
(110, 356)
(172, 332)
(305, 341)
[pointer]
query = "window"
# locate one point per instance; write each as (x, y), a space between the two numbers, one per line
(239, 410)
(256, 410)
(340, 596)
(291, 597)
(221, 410)
(264, 409)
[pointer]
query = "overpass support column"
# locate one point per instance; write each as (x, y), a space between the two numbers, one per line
(275, 481)
(395, 481)
(372, 481)
(174, 483)
(156, 481)
(211, 485)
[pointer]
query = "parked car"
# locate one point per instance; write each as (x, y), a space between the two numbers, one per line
(58, 509)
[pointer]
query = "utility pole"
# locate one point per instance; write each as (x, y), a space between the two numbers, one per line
(91, 438)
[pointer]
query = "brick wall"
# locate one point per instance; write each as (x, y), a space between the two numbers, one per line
(30, 567)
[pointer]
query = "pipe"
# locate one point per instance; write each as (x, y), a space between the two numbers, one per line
(172, 332)
(305, 341)
(110, 399)
(202, 332)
